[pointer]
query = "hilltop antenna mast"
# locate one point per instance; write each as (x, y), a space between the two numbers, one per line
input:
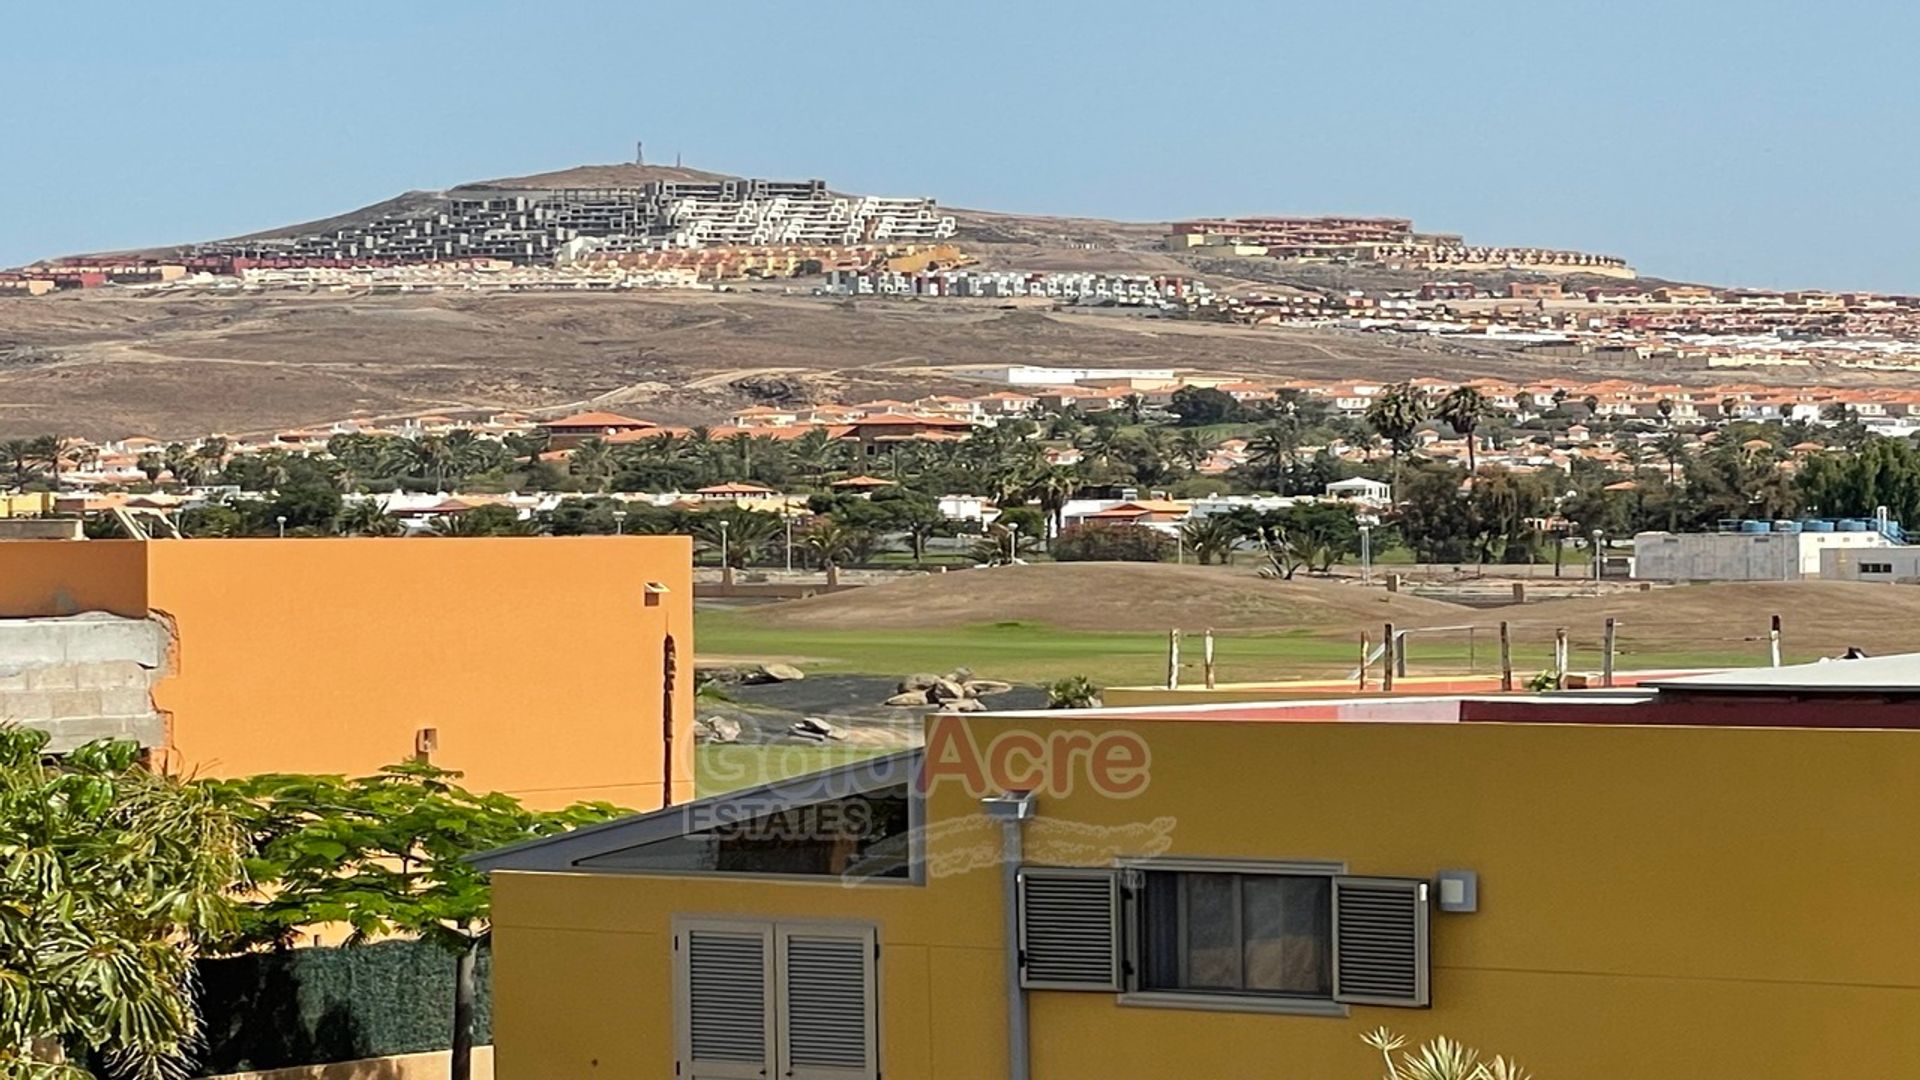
(676, 159)
(639, 153)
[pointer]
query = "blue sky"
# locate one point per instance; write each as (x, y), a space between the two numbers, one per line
(1756, 143)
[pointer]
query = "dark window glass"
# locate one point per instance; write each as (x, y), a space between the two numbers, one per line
(1259, 934)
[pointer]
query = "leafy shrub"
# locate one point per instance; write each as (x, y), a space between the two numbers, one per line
(1111, 543)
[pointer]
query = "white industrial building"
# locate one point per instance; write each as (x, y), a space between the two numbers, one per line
(1030, 375)
(1897, 564)
(1757, 550)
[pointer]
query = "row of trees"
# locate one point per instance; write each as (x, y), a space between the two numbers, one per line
(118, 879)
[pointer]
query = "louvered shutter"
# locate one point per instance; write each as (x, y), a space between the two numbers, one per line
(827, 1009)
(723, 1000)
(1380, 941)
(1069, 929)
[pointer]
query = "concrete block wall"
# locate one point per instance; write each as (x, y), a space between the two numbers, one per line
(84, 677)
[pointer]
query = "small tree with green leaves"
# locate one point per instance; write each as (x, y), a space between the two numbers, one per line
(111, 877)
(385, 855)
(1073, 692)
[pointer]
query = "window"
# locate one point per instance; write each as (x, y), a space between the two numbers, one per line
(1297, 937)
(1876, 568)
(1238, 933)
(752, 998)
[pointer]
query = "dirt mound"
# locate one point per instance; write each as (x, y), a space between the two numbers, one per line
(1822, 617)
(1111, 596)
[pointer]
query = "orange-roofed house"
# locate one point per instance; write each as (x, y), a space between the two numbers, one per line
(570, 431)
(553, 668)
(860, 485)
(734, 490)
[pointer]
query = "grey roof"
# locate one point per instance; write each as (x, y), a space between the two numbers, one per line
(1899, 673)
(566, 851)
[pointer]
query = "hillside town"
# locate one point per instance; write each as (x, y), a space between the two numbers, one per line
(1152, 610)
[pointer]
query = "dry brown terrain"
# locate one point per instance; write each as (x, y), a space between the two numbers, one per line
(1819, 617)
(1112, 596)
(112, 364)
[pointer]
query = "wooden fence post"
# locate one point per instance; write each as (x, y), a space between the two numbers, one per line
(1606, 660)
(1173, 659)
(1206, 657)
(1389, 645)
(1364, 661)
(1506, 658)
(1560, 658)
(1773, 641)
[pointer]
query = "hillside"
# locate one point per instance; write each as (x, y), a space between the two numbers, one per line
(1110, 596)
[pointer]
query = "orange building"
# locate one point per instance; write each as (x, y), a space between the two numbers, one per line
(534, 665)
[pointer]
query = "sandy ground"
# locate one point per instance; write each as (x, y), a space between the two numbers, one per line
(1112, 596)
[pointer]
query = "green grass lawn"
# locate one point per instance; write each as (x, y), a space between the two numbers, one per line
(718, 769)
(1035, 654)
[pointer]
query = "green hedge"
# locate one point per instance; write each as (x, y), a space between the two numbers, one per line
(313, 1006)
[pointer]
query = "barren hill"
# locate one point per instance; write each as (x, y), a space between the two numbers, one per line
(1111, 596)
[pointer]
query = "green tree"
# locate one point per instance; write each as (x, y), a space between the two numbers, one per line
(1462, 410)
(1395, 414)
(833, 545)
(112, 878)
(22, 460)
(1104, 542)
(368, 517)
(1210, 537)
(1198, 406)
(152, 465)
(384, 855)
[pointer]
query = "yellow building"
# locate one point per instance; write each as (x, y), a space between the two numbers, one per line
(1603, 886)
(26, 503)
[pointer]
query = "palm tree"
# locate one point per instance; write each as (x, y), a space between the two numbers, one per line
(1592, 402)
(833, 545)
(593, 463)
(1273, 449)
(22, 460)
(1190, 449)
(1462, 410)
(368, 517)
(1395, 414)
(52, 451)
(812, 452)
(1210, 536)
(151, 464)
(1053, 488)
(1665, 409)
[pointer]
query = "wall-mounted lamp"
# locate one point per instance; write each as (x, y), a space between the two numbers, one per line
(653, 591)
(1458, 890)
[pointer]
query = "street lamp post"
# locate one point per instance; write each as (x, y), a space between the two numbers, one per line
(1366, 554)
(726, 565)
(1013, 542)
(619, 522)
(787, 515)
(1596, 555)
(280, 520)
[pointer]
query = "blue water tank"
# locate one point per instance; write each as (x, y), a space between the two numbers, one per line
(1786, 526)
(1755, 527)
(1819, 525)
(1853, 525)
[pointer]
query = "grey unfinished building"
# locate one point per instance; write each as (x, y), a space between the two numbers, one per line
(536, 226)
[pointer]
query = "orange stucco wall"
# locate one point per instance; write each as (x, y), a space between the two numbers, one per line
(65, 577)
(537, 659)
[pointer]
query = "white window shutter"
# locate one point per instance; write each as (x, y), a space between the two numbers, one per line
(1380, 953)
(827, 1007)
(1070, 928)
(723, 1000)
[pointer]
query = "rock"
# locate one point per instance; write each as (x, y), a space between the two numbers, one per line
(717, 729)
(814, 728)
(781, 673)
(984, 687)
(919, 682)
(910, 697)
(960, 675)
(945, 690)
(959, 705)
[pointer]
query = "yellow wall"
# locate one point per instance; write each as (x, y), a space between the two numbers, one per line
(1655, 902)
(26, 504)
(535, 658)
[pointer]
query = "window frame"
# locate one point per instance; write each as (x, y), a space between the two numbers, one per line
(1133, 941)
